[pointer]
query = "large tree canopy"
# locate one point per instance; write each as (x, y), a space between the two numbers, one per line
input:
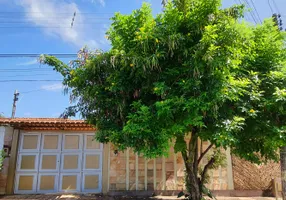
(194, 70)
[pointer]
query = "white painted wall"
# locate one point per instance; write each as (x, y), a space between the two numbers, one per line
(2, 136)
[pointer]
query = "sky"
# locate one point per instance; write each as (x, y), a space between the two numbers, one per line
(44, 27)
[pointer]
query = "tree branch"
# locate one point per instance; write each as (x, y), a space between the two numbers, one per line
(207, 166)
(195, 163)
(193, 143)
(185, 158)
(204, 153)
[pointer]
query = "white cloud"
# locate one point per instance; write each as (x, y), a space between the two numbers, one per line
(55, 19)
(101, 2)
(32, 62)
(52, 87)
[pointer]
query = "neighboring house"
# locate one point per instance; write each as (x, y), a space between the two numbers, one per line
(51, 155)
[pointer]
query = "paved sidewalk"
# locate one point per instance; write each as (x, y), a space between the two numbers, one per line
(90, 197)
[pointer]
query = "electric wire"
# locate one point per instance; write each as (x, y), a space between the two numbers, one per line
(35, 55)
(33, 75)
(49, 23)
(37, 90)
(25, 69)
(245, 14)
(54, 13)
(255, 10)
(29, 80)
(270, 7)
(251, 12)
(275, 5)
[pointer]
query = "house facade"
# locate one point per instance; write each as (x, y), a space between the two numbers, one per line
(50, 155)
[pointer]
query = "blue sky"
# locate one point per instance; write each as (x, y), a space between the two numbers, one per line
(43, 26)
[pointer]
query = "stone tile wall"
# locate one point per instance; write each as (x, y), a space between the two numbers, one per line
(117, 171)
(169, 175)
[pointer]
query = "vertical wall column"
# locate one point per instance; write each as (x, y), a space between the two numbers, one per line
(229, 170)
(108, 182)
(145, 174)
(163, 173)
(127, 169)
(175, 172)
(136, 171)
(105, 168)
(154, 174)
(2, 136)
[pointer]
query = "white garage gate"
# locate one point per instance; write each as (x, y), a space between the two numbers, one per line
(58, 163)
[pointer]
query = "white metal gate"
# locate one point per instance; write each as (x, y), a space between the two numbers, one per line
(53, 162)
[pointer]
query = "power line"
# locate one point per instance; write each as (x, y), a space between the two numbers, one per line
(55, 13)
(275, 5)
(25, 75)
(46, 17)
(251, 12)
(26, 92)
(3, 81)
(256, 10)
(24, 69)
(35, 27)
(270, 6)
(16, 71)
(236, 2)
(48, 23)
(245, 14)
(27, 71)
(32, 91)
(35, 55)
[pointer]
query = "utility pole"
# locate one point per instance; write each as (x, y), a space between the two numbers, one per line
(16, 94)
(74, 14)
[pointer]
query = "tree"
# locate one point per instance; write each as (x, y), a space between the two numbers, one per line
(278, 22)
(195, 71)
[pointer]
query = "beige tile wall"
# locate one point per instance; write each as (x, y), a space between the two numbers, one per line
(169, 174)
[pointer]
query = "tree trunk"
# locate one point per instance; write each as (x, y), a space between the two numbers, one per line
(191, 163)
(193, 186)
(194, 179)
(283, 170)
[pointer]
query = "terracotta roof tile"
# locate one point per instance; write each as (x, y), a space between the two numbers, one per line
(46, 124)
